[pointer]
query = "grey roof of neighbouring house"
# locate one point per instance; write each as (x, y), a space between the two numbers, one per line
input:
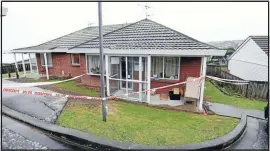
(262, 42)
(74, 38)
(144, 34)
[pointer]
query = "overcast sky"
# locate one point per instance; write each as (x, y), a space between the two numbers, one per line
(32, 23)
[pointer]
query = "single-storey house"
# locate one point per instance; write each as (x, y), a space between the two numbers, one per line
(250, 60)
(138, 56)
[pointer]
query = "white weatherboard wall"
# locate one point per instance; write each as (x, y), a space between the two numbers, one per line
(250, 62)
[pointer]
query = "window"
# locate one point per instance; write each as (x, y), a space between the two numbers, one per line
(165, 67)
(114, 67)
(75, 58)
(93, 64)
(157, 67)
(49, 59)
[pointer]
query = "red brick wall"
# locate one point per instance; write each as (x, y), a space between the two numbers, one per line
(62, 61)
(189, 67)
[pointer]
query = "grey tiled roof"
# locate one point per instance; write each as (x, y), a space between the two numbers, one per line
(74, 38)
(146, 34)
(262, 42)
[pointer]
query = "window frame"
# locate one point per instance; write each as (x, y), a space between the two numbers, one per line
(42, 58)
(72, 59)
(163, 68)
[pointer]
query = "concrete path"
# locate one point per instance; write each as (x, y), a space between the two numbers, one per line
(254, 137)
(41, 107)
(228, 110)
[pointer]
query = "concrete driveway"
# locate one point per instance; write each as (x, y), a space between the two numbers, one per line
(41, 107)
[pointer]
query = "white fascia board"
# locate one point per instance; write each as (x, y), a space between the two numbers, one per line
(198, 52)
(38, 51)
(243, 43)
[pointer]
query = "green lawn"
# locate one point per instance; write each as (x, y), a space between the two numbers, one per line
(13, 74)
(145, 125)
(214, 95)
(71, 86)
(224, 68)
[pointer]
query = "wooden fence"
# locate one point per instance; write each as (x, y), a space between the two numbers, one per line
(255, 89)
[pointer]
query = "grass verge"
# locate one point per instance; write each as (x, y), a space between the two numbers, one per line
(144, 125)
(65, 87)
(214, 95)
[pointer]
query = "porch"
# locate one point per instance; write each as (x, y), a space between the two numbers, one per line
(127, 75)
(154, 99)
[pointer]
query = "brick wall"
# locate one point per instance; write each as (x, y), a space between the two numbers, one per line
(189, 67)
(62, 62)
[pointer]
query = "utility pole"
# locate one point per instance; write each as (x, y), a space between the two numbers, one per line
(104, 106)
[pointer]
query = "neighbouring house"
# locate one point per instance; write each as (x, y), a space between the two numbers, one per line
(221, 60)
(12, 68)
(250, 60)
(138, 56)
(10, 65)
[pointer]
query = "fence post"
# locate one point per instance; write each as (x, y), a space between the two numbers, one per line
(247, 91)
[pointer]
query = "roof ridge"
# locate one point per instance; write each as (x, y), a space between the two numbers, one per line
(107, 33)
(65, 35)
(61, 37)
(185, 35)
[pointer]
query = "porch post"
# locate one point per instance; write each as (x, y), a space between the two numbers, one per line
(16, 64)
(107, 74)
(46, 66)
(126, 76)
(148, 77)
(24, 71)
(140, 78)
(203, 73)
(36, 63)
(30, 63)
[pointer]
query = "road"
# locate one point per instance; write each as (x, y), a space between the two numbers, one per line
(17, 135)
(44, 108)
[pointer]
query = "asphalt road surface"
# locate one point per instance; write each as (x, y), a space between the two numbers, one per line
(17, 135)
(43, 108)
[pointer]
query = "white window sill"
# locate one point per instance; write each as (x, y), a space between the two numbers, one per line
(45, 66)
(76, 64)
(93, 74)
(153, 78)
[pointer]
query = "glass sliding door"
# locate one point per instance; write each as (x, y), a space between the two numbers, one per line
(126, 70)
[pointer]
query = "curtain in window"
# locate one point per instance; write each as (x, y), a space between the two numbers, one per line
(157, 66)
(93, 64)
(49, 59)
(171, 67)
(75, 59)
